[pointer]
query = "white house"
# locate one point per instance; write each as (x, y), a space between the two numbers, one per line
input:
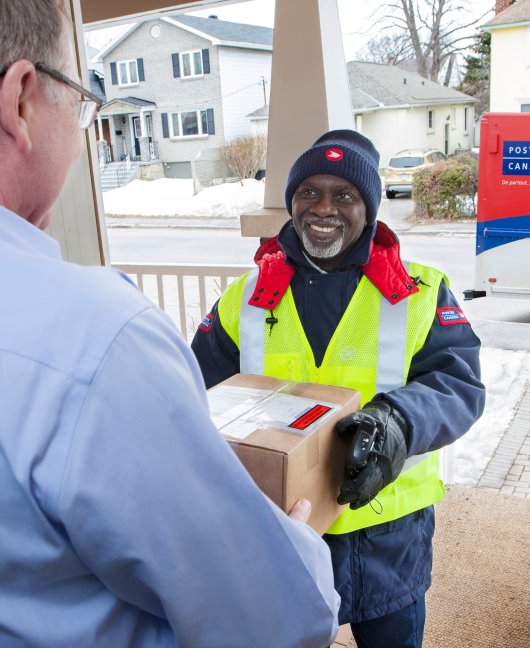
(510, 57)
(180, 84)
(259, 121)
(398, 110)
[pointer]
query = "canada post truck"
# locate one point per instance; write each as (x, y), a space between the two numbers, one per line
(503, 208)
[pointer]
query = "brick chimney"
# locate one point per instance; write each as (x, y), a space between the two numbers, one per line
(501, 5)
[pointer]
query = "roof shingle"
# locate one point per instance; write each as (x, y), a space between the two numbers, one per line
(518, 12)
(376, 86)
(373, 84)
(262, 112)
(228, 31)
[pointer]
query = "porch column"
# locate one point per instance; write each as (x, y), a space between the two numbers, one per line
(102, 144)
(78, 222)
(145, 153)
(143, 121)
(100, 129)
(310, 95)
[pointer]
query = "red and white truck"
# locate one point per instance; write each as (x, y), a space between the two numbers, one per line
(503, 209)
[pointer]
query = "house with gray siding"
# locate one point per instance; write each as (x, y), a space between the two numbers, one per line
(181, 84)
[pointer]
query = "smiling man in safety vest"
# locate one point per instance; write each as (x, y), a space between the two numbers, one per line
(332, 302)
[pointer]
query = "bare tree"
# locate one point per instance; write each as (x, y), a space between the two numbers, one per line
(245, 155)
(389, 49)
(432, 30)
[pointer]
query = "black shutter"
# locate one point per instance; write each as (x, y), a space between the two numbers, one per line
(211, 123)
(206, 61)
(141, 76)
(165, 128)
(176, 66)
(114, 74)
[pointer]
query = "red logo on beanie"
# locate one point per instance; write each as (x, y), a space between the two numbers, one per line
(334, 155)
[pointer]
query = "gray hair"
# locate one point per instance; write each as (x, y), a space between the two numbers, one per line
(32, 30)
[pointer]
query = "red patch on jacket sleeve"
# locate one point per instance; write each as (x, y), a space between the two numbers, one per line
(450, 315)
(206, 323)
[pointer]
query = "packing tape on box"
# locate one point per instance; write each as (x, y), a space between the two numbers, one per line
(240, 411)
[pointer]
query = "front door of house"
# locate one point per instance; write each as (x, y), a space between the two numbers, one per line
(446, 150)
(137, 130)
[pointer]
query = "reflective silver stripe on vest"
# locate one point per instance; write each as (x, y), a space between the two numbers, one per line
(391, 344)
(414, 461)
(391, 353)
(251, 331)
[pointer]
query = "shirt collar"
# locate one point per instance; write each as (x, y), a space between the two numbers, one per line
(313, 264)
(16, 232)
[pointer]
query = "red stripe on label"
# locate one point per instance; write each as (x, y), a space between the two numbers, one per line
(310, 417)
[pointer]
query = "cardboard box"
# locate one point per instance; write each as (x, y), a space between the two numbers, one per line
(284, 434)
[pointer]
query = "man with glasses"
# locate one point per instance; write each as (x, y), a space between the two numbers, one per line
(125, 518)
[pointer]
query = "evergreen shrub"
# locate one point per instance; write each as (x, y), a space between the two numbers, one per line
(447, 189)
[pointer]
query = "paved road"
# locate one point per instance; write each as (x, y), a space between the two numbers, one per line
(453, 255)
(181, 246)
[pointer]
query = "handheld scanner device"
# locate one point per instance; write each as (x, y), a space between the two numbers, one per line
(361, 446)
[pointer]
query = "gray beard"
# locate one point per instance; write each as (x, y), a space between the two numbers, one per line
(323, 253)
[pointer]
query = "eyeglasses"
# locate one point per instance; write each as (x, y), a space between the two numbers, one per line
(86, 109)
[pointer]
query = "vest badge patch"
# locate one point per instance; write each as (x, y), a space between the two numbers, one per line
(206, 323)
(450, 315)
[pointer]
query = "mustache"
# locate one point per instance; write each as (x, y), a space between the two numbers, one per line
(323, 222)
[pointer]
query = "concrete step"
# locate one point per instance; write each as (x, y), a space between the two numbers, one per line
(109, 179)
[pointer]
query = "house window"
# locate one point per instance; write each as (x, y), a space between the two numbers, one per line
(466, 120)
(192, 123)
(430, 120)
(525, 107)
(192, 64)
(128, 73)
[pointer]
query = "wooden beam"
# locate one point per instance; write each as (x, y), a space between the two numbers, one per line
(109, 11)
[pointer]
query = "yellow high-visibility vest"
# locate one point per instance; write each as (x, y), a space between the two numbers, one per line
(371, 351)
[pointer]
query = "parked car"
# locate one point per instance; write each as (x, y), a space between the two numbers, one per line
(402, 167)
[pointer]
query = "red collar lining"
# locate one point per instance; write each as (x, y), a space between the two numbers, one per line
(384, 269)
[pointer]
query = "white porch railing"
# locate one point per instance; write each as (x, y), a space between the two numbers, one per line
(191, 294)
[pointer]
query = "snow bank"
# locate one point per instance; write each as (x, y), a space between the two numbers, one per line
(172, 197)
(505, 374)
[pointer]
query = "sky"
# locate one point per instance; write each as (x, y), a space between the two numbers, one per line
(358, 23)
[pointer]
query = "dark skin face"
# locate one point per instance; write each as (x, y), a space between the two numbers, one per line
(334, 205)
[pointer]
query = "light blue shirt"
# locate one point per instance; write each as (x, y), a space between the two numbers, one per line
(125, 519)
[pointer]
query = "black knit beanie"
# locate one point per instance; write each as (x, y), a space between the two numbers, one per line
(342, 153)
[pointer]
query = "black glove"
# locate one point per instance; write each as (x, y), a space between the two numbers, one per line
(388, 455)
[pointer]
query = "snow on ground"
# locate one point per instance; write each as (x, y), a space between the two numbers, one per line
(174, 198)
(505, 374)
